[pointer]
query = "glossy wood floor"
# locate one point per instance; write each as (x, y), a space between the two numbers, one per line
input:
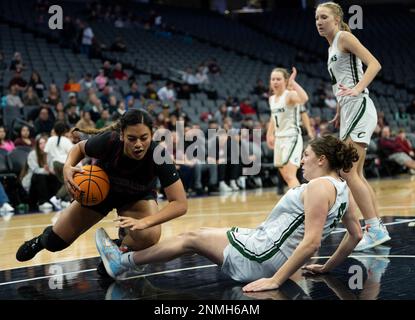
(396, 197)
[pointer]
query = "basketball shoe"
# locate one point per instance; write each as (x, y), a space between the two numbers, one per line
(110, 254)
(29, 249)
(373, 236)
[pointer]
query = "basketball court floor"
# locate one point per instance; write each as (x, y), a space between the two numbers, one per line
(386, 272)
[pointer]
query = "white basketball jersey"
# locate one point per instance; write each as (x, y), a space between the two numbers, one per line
(344, 68)
(287, 118)
(285, 224)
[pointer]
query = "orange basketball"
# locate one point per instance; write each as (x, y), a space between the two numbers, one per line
(94, 185)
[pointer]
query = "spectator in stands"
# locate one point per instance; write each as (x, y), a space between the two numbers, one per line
(411, 108)
(54, 95)
(94, 106)
(179, 112)
(189, 77)
(87, 82)
(37, 178)
(403, 141)
(213, 66)
(120, 111)
(44, 122)
(119, 45)
(235, 113)
(107, 69)
(395, 151)
(37, 84)
(24, 138)
(222, 143)
(381, 119)
(57, 149)
(18, 80)
(5, 143)
(202, 74)
(71, 115)
(150, 92)
(31, 98)
(6, 210)
(13, 99)
(87, 39)
(401, 114)
(68, 33)
(221, 114)
(105, 96)
(167, 93)
(112, 105)
(134, 91)
(85, 122)
(104, 120)
(118, 72)
(101, 80)
(261, 90)
(73, 102)
(246, 107)
(17, 62)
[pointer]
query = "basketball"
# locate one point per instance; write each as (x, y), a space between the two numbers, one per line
(94, 185)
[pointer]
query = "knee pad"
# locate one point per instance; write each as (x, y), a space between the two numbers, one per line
(51, 241)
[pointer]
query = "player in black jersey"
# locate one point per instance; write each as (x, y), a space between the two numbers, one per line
(126, 152)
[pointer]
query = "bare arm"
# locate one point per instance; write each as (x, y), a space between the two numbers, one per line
(176, 207)
(316, 205)
(350, 240)
(349, 43)
(297, 94)
(306, 121)
(346, 246)
(76, 154)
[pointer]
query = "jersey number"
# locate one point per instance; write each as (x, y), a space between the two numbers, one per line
(333, 78)
(276, 121)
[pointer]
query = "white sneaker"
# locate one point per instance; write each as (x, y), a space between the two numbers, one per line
(233, 185)
(65, 204)
(6, 207)
(45, 207)
(258, 182)
(56, 203)
(242, 182)
(412, 171)
(223, 187)
(372, 237)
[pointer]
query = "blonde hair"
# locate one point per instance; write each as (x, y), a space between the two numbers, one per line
(285, 74)
(337, 11)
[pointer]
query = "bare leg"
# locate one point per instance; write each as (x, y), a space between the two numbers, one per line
(74, 221)
(289, 173)
(141, 239)
(208, 242)
(360, 188)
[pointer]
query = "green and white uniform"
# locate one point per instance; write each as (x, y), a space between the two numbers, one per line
(256, 253)
(358, 117)
(288, 145)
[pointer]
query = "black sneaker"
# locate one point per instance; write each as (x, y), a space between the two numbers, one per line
(29, 249)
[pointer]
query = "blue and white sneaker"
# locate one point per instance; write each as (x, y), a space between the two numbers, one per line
(372, 237)
(110, 254)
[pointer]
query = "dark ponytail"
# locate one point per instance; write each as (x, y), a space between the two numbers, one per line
(339, 155)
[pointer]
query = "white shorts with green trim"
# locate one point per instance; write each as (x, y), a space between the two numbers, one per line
(288, 149)
(245, 259)
(358, 119)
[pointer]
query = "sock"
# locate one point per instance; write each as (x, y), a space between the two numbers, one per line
(374, 222)
(127, 260)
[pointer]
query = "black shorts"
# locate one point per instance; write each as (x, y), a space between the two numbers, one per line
(119, 200)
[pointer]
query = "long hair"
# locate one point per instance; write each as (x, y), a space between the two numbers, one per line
(129, 118)
(337, 11)
(60, 129)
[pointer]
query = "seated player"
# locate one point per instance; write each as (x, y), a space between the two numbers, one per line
(271, 253)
